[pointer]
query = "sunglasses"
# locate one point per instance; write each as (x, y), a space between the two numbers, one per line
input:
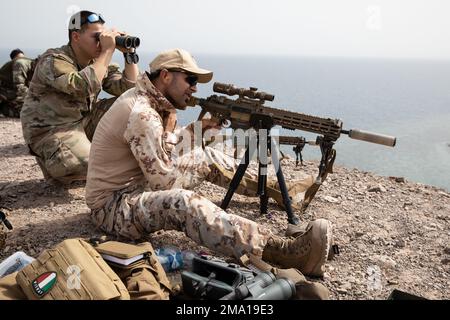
(93, 18)
(77, 21)
(191, 79)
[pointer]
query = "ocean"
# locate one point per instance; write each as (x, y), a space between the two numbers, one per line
(408, 99)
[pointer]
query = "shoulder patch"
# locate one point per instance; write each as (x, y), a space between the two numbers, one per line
(43, 283)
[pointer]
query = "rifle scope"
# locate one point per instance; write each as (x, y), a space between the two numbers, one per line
(232, 90)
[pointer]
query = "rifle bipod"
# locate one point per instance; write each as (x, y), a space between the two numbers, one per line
(325, 167)
(267, 140)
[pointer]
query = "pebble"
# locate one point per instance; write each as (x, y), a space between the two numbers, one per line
(400, 243)
(398, 179)
(345, 287)
(378, 188)
(393, 282)
(445, 194)
(384, 261)
(330, 199)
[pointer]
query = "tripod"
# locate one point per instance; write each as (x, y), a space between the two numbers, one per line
(265, 143)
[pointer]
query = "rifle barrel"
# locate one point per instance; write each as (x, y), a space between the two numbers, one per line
(371, 137)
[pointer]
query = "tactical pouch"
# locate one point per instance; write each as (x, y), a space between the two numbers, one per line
(73, 270)
(144, 278)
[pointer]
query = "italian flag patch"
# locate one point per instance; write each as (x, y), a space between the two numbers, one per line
(43, 284)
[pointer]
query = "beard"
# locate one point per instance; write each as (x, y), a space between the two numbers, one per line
(175, 104)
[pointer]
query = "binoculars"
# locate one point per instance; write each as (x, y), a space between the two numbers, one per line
(129, 42)
(126, 42)
(264, 286)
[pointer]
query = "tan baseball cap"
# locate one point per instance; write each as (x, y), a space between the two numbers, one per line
(180, 59)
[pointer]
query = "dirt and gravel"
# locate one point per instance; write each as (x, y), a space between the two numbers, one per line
(392, 233)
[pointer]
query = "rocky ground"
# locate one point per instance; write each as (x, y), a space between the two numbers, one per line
(392, 233)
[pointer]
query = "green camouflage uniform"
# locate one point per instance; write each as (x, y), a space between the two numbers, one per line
(61, 111)
(15, 76)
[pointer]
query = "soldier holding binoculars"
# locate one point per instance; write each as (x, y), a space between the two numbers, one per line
(61, 110)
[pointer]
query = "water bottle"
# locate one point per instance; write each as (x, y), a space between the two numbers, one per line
(173, 259)
(188, 256)
(14, 263)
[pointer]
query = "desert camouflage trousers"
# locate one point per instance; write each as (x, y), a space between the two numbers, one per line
(133, 212)
(63, 153)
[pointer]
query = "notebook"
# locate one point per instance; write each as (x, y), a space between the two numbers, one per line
(121, 261)
(121, 253)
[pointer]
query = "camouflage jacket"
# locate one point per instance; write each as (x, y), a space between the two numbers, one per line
(131, 146)
(163, 165)
(6, 75)
(62, 93)
(15, 77)
(21, 77)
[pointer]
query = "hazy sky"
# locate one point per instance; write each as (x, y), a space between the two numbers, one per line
(377, 28)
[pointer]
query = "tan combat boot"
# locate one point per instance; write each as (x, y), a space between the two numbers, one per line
(307, 252)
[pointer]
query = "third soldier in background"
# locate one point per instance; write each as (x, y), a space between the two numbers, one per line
(15, 76)
(61, 110)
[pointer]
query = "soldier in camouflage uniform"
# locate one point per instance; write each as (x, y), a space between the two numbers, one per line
(61, 110)
(15, 76)
(138, 182)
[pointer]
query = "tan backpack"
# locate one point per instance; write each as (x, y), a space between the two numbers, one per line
(73, 270)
